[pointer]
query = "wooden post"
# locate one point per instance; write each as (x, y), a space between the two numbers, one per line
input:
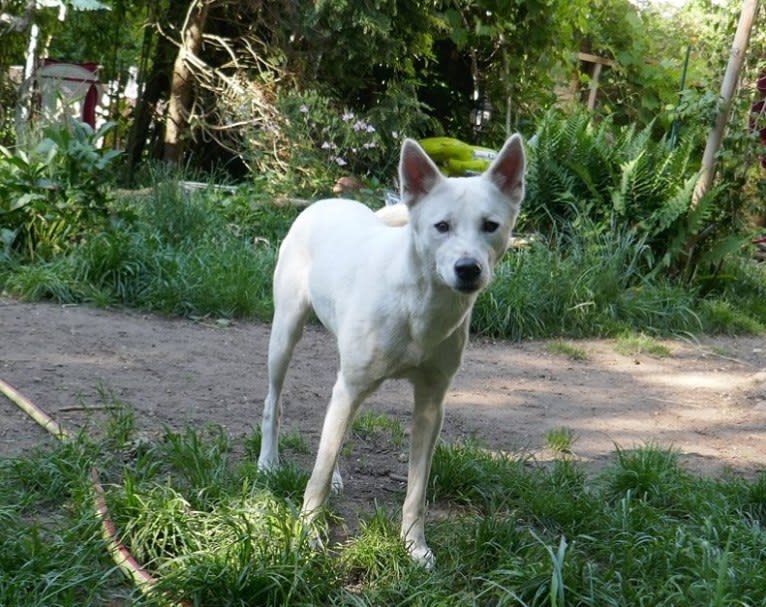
(728, 88)
(594, 86)
(595, 65)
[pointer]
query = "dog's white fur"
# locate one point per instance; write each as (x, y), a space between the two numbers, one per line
(398, 300)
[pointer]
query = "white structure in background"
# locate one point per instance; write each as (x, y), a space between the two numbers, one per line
(60, 85)
(67, 91)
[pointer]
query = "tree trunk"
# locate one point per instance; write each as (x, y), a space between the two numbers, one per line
(181, 85)
(728, 88)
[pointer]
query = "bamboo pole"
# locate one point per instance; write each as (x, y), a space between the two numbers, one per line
(728, 88)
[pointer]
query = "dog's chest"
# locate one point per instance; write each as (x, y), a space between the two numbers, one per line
(425, 349)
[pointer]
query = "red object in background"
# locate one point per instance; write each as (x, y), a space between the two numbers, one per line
(758, 112)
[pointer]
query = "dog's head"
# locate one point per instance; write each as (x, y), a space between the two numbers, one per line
(462, 225)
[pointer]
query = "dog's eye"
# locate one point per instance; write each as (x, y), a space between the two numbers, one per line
(489, 226)
(442, 227)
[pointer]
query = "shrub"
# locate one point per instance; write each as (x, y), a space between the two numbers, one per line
(56, 193)
(319, 142)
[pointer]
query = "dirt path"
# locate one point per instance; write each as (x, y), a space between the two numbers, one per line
(708, 400)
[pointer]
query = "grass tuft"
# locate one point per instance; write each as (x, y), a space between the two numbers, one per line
(633, 344)
(568, 349)
(560, 440)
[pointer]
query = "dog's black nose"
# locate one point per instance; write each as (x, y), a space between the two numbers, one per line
(467, 269)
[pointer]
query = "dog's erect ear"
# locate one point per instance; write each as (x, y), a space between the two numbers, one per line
(417, 172)
(507, 169)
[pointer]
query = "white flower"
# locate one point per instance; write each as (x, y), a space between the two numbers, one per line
(304, 109)
(370, 128)
(340, 161)
(395, 134)
(348, 116)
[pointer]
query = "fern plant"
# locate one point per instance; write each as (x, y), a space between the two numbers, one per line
(629, 178)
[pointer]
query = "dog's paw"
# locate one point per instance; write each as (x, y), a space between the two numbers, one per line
(423, 556)
(268, 464)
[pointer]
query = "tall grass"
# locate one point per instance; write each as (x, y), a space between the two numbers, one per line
(172, 253)
(585, 282)
(610, 258)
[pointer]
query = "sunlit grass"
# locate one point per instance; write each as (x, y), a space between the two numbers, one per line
(568, 349)
(560, 439)
(633, 344)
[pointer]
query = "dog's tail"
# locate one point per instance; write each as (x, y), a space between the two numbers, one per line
(394, 215)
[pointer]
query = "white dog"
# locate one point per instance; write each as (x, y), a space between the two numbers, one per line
(398, 300)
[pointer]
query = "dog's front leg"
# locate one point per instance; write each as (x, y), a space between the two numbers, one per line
(426, 425)
(345, 400)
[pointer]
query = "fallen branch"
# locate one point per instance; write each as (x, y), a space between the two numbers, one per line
(119, 553)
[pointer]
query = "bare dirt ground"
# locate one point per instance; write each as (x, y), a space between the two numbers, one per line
(707, 400)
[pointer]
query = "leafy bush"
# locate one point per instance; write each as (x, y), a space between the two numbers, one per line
(55, 194)
(320, 142)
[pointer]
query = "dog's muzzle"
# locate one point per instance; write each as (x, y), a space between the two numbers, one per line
(468, 273)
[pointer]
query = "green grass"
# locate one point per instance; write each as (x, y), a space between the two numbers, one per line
(368, 425)
(560, 440)
(171, 253)
(567, 349)
(214, 531)
(583, 284)
(634, 344)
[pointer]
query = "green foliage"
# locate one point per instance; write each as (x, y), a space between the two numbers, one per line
(515, 53)
(617, 247)
(56, 194)
(173, 253)
(582, 283)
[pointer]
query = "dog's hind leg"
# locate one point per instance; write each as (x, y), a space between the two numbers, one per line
(291, 307)
(427, 420)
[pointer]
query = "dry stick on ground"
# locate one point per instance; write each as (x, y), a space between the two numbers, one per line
(120, 554)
